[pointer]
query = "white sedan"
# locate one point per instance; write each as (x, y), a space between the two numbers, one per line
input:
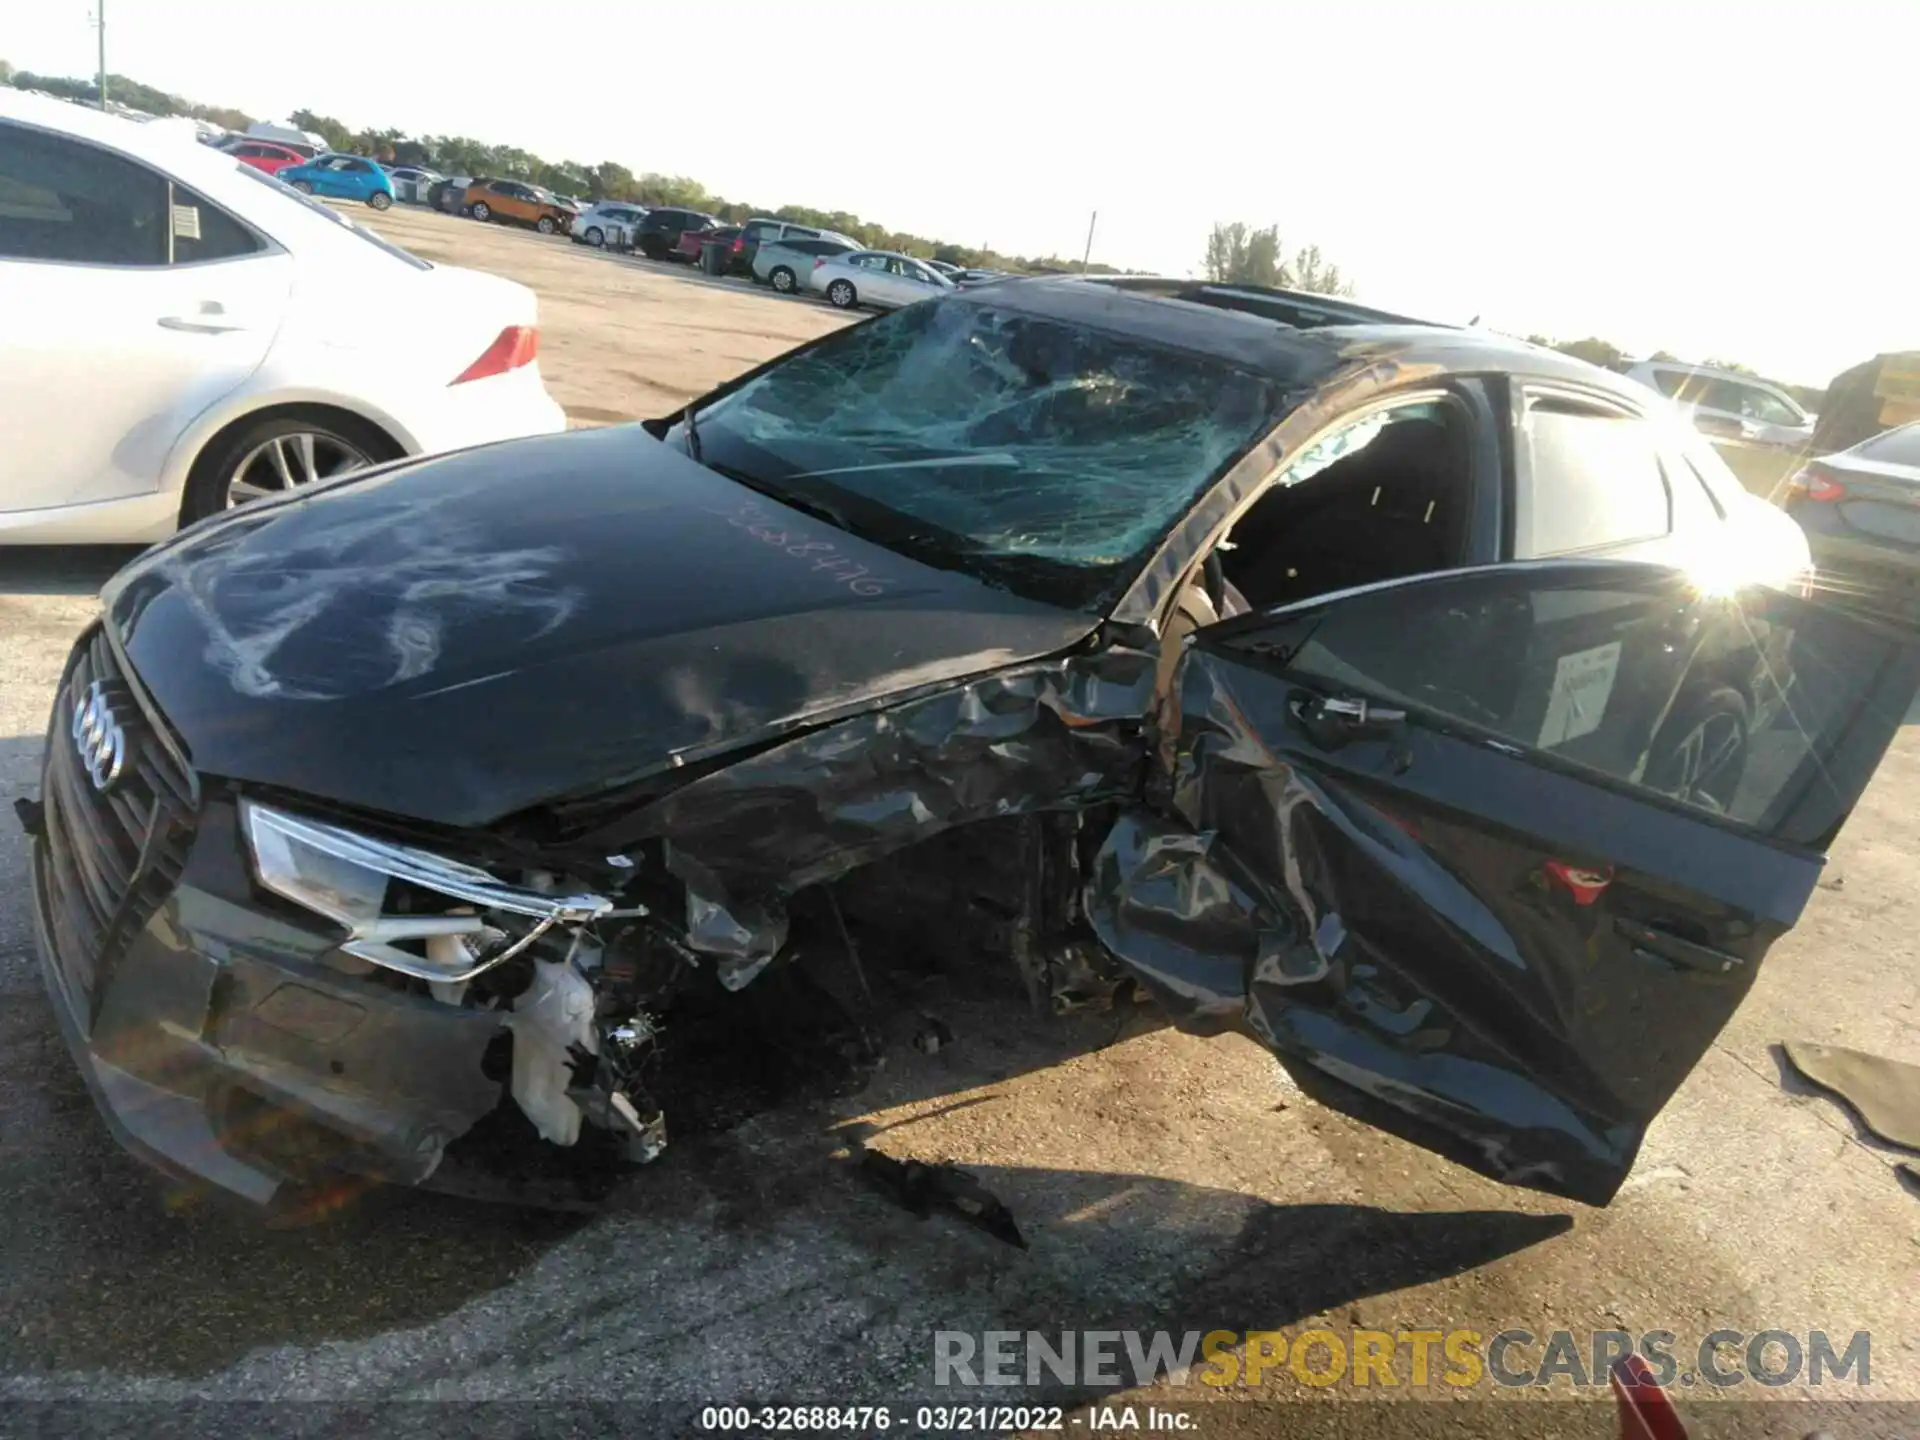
(878, 278)
(183, 333)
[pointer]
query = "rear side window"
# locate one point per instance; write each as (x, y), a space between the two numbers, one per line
(1896, 447)
(62, 200)
(1596, 480)
(203, 231)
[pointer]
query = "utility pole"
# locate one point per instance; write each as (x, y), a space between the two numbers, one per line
(1085, 259)
(100, 19)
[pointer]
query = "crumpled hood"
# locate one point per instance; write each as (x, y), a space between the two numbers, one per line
(458, 638)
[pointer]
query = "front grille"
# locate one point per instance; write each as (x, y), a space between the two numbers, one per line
(109, 856)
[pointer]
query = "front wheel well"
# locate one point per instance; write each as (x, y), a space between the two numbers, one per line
(380, 445)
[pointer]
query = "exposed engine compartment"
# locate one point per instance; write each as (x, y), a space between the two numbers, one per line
(613, 1029)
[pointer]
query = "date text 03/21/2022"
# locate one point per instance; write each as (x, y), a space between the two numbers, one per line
(942, 1419)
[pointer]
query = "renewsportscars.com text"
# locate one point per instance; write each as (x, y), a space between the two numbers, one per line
(1416, 1359)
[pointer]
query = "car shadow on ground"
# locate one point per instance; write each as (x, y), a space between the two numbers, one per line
(61, 569)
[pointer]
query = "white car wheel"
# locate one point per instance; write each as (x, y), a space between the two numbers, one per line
(596, 236)
(841, 294)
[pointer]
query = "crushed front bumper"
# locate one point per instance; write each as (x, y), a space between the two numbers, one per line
(222, 1048)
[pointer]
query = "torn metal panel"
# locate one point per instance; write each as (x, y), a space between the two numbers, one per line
(743, 838)
(1283, 900)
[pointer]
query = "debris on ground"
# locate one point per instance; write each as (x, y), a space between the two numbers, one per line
(1883, 1093)
(918, 1187)
(932, 1036)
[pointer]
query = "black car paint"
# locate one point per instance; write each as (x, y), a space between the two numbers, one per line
(587, 622)
(459, 639)
(1391, 913)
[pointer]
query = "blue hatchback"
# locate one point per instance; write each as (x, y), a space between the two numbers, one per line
(342, 177)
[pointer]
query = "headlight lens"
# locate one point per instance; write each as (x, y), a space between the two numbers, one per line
(347, 877)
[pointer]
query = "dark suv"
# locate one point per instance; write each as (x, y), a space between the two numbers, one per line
(1408, 698)
(660, 231)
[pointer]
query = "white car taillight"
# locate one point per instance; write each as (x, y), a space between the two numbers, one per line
(515, 346)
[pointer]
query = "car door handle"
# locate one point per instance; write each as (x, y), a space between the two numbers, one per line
(1334, 720)
(1665, 945)
(209, 323)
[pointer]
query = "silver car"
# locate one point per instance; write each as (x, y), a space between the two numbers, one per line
(1726, 405)
(787, 264)
(878, 278)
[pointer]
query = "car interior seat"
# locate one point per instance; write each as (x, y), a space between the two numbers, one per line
(1395, 507)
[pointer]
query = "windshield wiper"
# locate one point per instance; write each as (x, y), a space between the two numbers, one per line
(692, 432)
(991, 460)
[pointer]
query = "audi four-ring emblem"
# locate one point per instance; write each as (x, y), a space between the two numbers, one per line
(99, 737)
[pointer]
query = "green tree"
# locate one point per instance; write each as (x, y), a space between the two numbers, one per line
(1237, 254)
(1594, 351)
(1314, 274)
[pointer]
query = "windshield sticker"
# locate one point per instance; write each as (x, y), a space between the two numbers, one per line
(1582, 684)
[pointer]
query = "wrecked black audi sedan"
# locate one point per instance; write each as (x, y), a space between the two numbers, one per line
(1425, 705)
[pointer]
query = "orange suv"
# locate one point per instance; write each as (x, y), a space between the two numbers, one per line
(518, 204)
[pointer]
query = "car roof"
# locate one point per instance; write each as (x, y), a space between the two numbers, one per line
(1299, 339)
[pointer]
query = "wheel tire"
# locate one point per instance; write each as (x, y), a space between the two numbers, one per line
(595, 236)
(783, 280)
(653, 247)
(482, 211)
(841, 295)
(1700, 754)
(209, 482)
(305, 187)
(544, 225)
(380, 200)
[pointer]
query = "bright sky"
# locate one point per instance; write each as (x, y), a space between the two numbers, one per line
(1701, 177)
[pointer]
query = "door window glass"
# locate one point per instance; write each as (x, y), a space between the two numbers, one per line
(1596, 480)
(1734, 706)
(62, 200)
(203, 231)
(1766, 407)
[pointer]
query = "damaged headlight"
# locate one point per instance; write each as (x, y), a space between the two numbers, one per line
(354, 879)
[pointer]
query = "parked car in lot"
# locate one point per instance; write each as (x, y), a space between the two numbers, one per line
(1408, 698)
(184, 333)
(413, 183)
(787, 264)
(1727, 405)
(517, 203)
(342, 177)
(762, 231)
(265, 156)
(605, 220)
(879, 279)
(692, 243)
(658, 237)
(1861, 511)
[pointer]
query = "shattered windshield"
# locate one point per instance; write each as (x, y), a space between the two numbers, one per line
(1043, 457)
